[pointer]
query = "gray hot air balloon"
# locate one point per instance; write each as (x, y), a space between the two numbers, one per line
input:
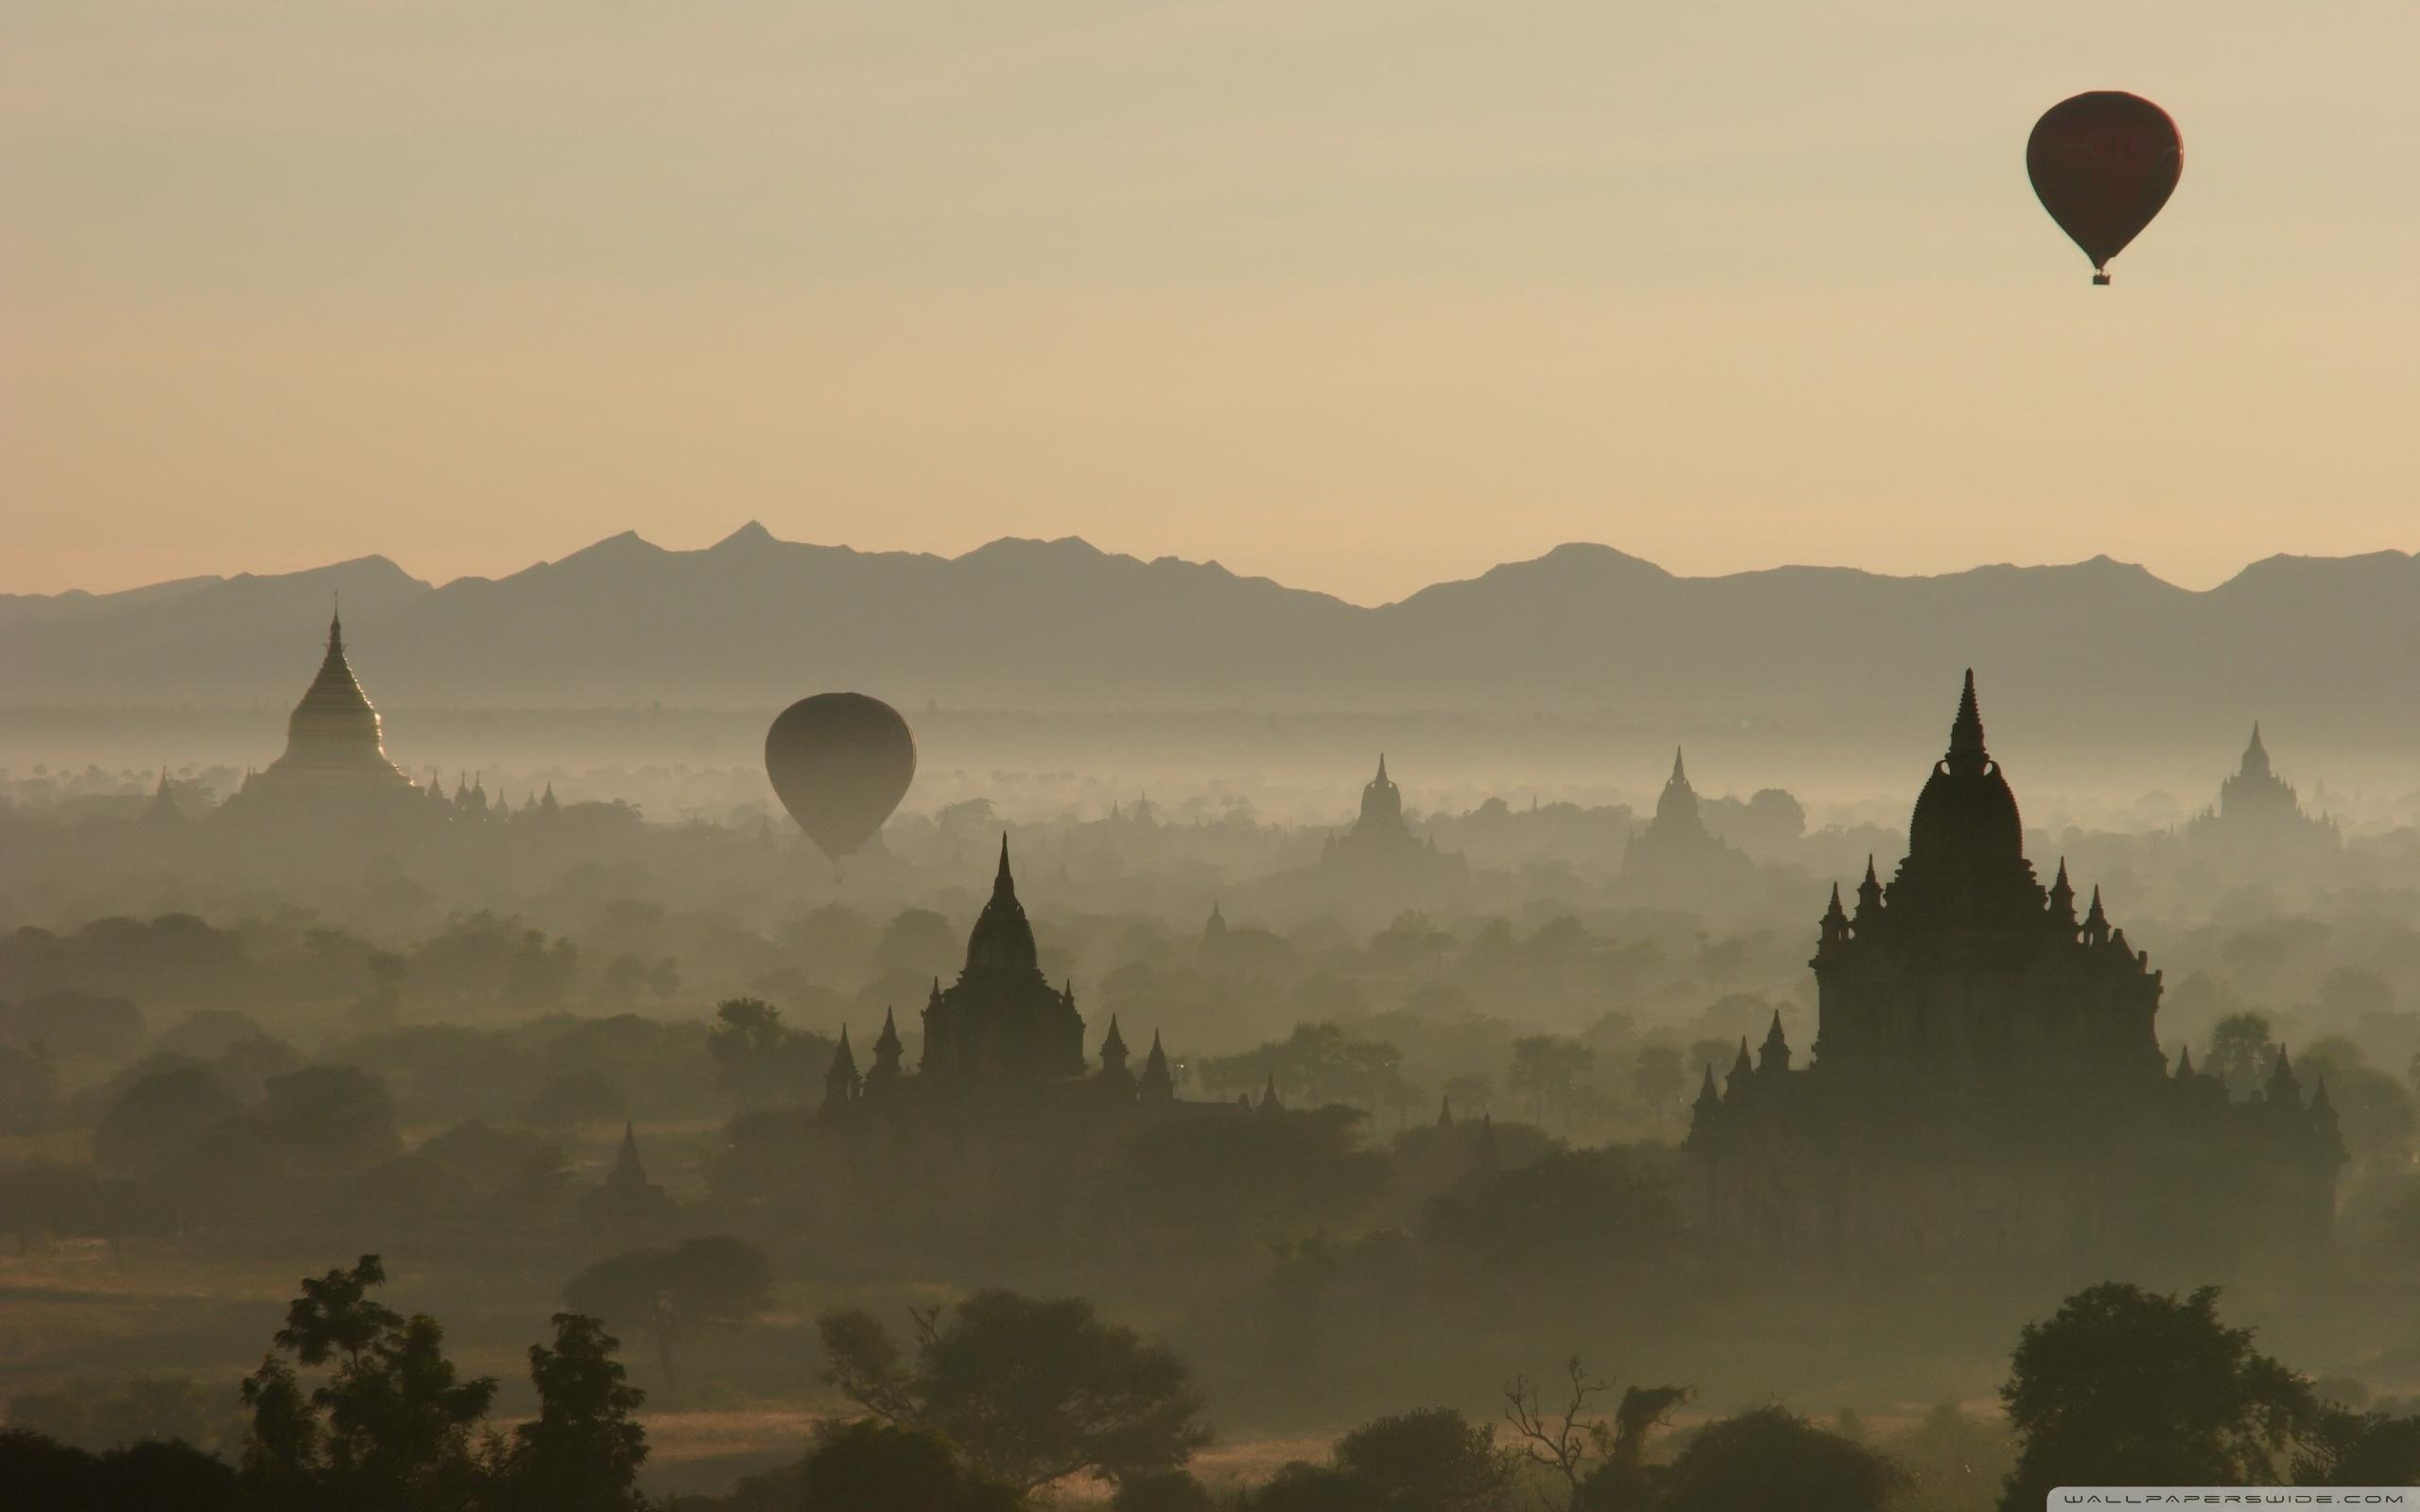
(840, 763)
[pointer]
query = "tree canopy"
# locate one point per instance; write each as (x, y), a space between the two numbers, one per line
(2128, 1387)
(1031, 1390)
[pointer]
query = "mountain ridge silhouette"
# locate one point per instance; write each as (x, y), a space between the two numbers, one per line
(754, 620)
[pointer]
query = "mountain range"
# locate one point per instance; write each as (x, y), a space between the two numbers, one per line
(2326, 644)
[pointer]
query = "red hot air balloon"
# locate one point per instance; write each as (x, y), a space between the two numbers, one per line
(2102, 165)
(840, 763)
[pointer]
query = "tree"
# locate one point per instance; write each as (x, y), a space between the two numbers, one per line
(583, 1450)
(2129, 1388)
(1163, 1491)
(329, 1118)
(41, 1472)
(1955, 1462)
(389, 1431)
(1302, 1487)
(2241, 1052)
(919, 943)
(864, 1464)
(335, 1313)
(1563, 1442)
(2372, 1107)
(1033, 1391)
(1555, 1228)
(759, 1061)
(574, 1098)
(1547, 1067)
(159, 1116)
(673, 1295)
(539, 974)
(1771, 1457)
(1432, 1460)
(2342, 1447)
(1658, 1078)
(382, 1004)
(28, 1087)
(1469, 1092)
(97, 1416)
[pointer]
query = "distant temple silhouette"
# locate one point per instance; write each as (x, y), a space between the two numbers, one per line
(333, 741)
(2258, 819)
(1001, 1019)
(335, 769)
(1986, 1079)
(1676, 852)
(1000, 1031)
(1379, 860)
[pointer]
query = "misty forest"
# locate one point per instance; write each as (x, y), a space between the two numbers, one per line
(1541, 1044)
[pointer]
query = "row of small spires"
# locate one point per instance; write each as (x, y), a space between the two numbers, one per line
(1773, 1059)
(468, 795)
(473, 795)
(2060, 907)
(842, 1084)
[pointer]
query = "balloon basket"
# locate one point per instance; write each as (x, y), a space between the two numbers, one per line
(2101, 281)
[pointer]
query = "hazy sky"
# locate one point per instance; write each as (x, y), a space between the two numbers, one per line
(1357, 295)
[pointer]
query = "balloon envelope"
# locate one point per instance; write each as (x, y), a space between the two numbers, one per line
(840, 763)
(2102, 165)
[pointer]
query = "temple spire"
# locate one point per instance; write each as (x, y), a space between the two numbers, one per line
(1003, 883)
(1157, 1081)
(2062, 898)
(628, 1172)
(1966, 752)
(1679, 774)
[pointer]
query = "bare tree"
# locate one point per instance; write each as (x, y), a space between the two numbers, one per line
(1570, 1439)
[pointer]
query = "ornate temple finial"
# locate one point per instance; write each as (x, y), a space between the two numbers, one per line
(1774, 1056)
(1707, 1096)
(1003, 884)
(1869, 892)
(336, 622)
(840, 1082)
(2255, 755)
(2183, 1062)
(1382, 766)
(1445, 1112)
(1966, 751)
(1158, 1085)
(1679, 774)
